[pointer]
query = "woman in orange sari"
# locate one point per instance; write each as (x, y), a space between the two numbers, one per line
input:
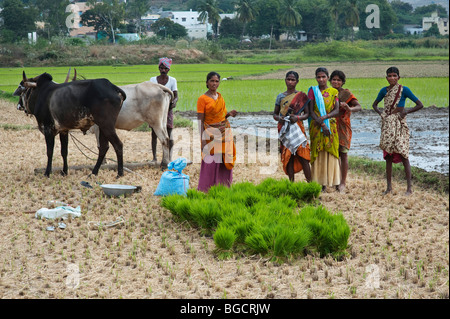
(290, 111)
(347, 105)
(218, 148)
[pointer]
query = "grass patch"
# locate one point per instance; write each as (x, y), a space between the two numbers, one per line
(8, 96)
(276, 218)
(14, 127)
(420, 177)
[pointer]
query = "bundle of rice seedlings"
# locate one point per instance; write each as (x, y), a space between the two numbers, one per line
(306, 192)
(224, 238)
(217, 191)
(244, 187)
(257, 243)
(183, 208)
(330, 232)
(206, 213)
(169, 202)
(195, 194)
(288, 242)
(273, 187)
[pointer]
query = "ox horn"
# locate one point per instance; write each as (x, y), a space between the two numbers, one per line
(68, 75)
(24, 77)
(30, 84)
(75, 75)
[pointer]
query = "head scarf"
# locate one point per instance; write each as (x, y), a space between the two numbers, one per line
(166, 62)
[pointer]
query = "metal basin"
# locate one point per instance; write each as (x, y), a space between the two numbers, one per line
(117, 189)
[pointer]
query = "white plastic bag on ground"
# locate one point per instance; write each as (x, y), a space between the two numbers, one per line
(63, 212)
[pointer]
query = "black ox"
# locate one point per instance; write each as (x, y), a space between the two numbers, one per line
(59, 108)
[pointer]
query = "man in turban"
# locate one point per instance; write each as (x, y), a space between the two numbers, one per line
(170, 83)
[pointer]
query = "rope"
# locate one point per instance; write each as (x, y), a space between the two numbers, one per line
(75, 139)
(92, 159)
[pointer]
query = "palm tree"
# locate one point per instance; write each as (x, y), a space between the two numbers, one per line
(209, 11)
(352, 15)
(335, 10)
(289, 16)
(246, 12)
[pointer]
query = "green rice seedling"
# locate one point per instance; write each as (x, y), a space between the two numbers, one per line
(257, 243)
(195, 194)
(240, 221)
(283, 205)
(206, 213)
(302, 191)
(330, 232)
(253, 197)
(224, 238)
(183, 209)
(242, 229)
(170, 202)
(217, 192)
(273, 187)
(287, 241)
(244, 187)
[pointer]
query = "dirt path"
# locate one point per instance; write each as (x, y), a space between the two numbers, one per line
(398, 247)
(366, 69)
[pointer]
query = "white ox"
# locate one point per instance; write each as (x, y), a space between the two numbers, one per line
(146, 103)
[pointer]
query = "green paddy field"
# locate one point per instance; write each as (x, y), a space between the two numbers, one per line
(251, 88)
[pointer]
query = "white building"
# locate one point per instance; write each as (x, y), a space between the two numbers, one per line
(413, 29)
(442, 23)
(77, 29)
(191, 21)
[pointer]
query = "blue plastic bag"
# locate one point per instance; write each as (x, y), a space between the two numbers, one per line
(174, 181)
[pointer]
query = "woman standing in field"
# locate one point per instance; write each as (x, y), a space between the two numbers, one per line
(218, 149)
(394, 139)
(323, 109)
(347, 105)
(294, 148)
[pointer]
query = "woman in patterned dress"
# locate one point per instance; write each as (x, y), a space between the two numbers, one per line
(292, 105)
(394, 139)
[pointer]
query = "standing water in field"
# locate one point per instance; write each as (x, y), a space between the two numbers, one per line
(429, 129)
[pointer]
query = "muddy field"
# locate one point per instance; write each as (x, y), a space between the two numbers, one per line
(429, 129)
(398, 247)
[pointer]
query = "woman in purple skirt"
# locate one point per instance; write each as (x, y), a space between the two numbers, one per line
(218, 148)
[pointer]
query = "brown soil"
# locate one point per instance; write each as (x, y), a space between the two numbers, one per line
(405, 239)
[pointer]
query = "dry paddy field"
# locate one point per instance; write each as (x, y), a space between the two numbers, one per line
(398, 247)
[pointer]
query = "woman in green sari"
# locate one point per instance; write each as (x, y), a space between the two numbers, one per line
(323, 109)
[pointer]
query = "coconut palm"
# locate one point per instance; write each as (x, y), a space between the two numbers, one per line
(246, 12)
(289, 14)
(352, 15)
(336, 9)
(209, 11)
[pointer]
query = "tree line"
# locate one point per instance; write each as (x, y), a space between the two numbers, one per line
(320, 19)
